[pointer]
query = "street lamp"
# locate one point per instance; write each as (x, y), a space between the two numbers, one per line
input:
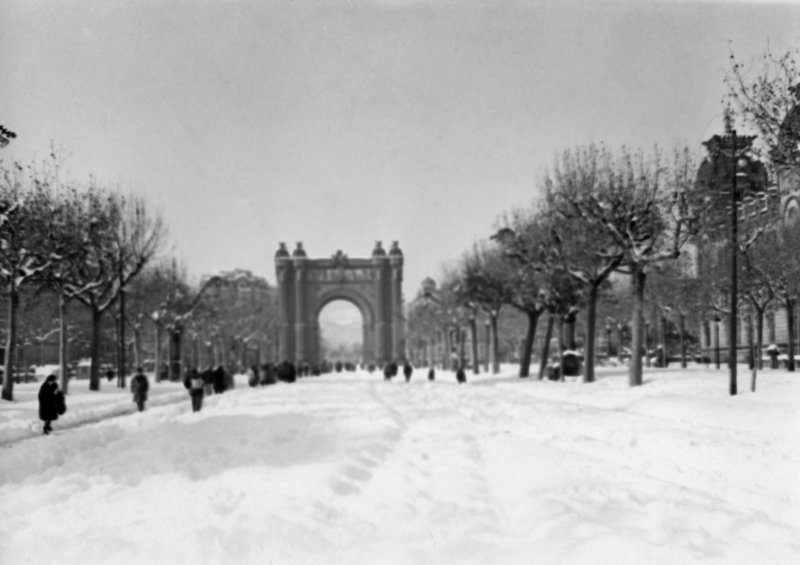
(740, 171)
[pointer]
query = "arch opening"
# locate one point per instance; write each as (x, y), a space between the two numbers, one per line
(342, 326)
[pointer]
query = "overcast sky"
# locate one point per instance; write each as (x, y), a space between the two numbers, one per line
(342, 123)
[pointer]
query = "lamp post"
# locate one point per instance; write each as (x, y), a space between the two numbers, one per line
(741, 166)
(734, 277)
(716, 340)
(608, 340)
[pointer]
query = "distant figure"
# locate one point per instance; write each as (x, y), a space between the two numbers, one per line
(461, 376)
(387, 372)
(408, 370)
(51, 403)
(139, 387)
(287, 372)
(431, 374)
(220, 381)
(110, 375)
(195, 384)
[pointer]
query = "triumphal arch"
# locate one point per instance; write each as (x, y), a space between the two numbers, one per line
(373, 285)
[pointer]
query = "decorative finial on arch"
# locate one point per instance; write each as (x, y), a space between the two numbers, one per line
(378, 251)
(395, 249)
(282, 251)
(299, 251)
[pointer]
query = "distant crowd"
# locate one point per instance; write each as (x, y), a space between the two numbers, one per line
(287, 372)
(52, 403)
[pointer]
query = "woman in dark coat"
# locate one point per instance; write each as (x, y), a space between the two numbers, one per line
(49, 402)
(220, 380)
(139, 387)
(408, 370)
(195, 384)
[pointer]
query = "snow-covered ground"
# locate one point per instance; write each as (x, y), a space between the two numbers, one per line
(349, 469)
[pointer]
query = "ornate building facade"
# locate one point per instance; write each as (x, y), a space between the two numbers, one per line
(763, 203)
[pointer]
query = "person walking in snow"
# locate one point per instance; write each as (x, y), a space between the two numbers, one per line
(408, 370)
(461, 376)
(219, 380)
(51, 403)
(139, 387)
(195, 384)
(431, 374)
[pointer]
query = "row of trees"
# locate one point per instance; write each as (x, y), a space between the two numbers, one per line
(610, 215)
(83, 244)
(601, 213)
(83, 260)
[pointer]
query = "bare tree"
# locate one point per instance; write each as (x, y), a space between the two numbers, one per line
(785, 274)
(521, 240)
(766, 94)
(25, 246)
(484, 272)
(648, 212)
(127, 236)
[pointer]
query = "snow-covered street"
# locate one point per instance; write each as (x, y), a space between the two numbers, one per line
(347, 468)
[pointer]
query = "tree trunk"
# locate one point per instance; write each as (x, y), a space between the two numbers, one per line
(682, 325)
(447, 354)
(790, 305)
(473, 330)
(11, 338)
(487, 340)
(561, 376)
(495, 355)
(568, 323)
(759, 339)
(591, 322)
(175, 353)
(62, 342)
(123, 362)
(157, 355)
(137, 346)
(527, 344)
(94, 368)
(546, 346)
(635, 373)
(751, 348)
(758, 365)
